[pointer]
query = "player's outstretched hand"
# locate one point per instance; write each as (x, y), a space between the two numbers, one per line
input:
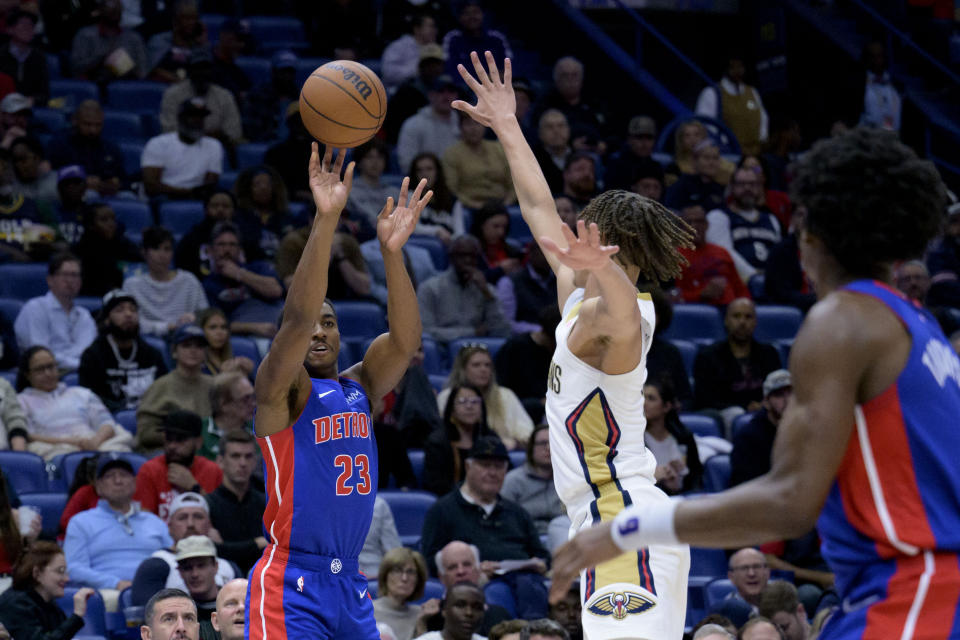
(584, 250)
(394, 225)
(588, 548)
(329, 191)
(495, 97)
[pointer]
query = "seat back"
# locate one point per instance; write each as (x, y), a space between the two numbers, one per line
(95, 621)
(416, 457)
(10, 308)
(50, 506)
(73, 91)
(360, 319)
(409, 509)
(133, 214)
(695, 322)
(139, 96)
(701, 425)
(492, 344)
(688, 352)
(777, 322)
(716, 473)
(250, 154)
(180, 216)
(23, 280)
(127, 419)
(26, 472)
(708, 562)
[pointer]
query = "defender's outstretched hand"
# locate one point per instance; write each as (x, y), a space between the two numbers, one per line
(329, 191)
(588, 548)
(583, 250)
(495, 97)
(394, 225)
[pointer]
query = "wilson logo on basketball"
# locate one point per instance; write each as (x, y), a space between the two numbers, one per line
(355, 79)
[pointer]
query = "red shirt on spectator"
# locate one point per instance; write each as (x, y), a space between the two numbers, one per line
(154, 491)
(83, 498)
(708, 262)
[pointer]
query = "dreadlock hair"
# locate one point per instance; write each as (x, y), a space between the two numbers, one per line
(649, 235)
(869, 199)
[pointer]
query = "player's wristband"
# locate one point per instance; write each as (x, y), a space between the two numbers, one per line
(641, 526)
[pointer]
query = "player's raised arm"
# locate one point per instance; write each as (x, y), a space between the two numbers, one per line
(283, 366)
(389, 354)
(496, 108)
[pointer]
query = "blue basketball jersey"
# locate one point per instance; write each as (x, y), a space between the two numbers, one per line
(754, 239)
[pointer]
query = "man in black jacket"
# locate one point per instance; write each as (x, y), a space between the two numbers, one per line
(753, 442)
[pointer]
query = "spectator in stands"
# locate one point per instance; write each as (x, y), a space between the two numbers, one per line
(412, 94)
(171, 614)
(13, 423)
(784, 280)
(197, 566)
(785, 141)
(737, 105)
(507, 630)
(28, 236)
(567, 613)
(473, 36)
(499, 256)
(748, 571)
(269, 99)
(647, 180)
(105, 545)
(525, 292)
(462, 608)
(678, 462)
(525, 98)
(553, 148)
(506, 416)
(179, 469)
(710, 276)
(103, 250)
(263, 212)
(440, 219)
(476, 169)
(586, 120)
(523, 361)
(220, 358)
(232, 406)
(382, 537)
(347, 274)
(53, 320)
(881, 103)
(580, 178)
(432, 128)
(622, 165)
(231, 42)
(402, 576)
(228, 619)
(105, 51)
(32, 175)
(168, 53)
(742, 228)
(779, 603)
(236, 508)
(223, 120)
(531, 486)
(193, 252)
(501, 529)
(62, 419)
(759, 628)
(290, 156)
(22, 61)
(776, 202)
(544, 629)
(753, 442)
(29, 608)
(16, 111)
(713, 631)
(101, 160)
(167, 298)
(913, 280)
(459, 302)
(943, 261)
(12, 540)
(701, 187)
(686, 138)
(446, 449)
(185, 388)
(369, 193)
(664, 359)
(119, 366)
(401, 57)
(183, 164)
(567, 211)
(249, 292)
(71, 187)
(729, 373)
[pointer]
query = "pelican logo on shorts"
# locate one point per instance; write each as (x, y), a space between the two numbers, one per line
(336, 566)
(300, 584)
(620, 604)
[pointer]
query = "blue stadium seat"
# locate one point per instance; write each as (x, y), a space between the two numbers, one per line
(251, 154)
(66, 465)
(118, 125)
(373, 588)
(10, 308)
(256, 69)
(688, 351)
(90, 303)
(9, 376)
(718, 590)
(360, 319)
(438, 252)
(53, 68)
(701, 425)
(438, 381)
(132, 155)
(784, 346)
(409, 509)
(757, 285)
(50, 506)
(242, 346)
(373, 64)
(134, 215)
(696, 599)
(158, 343)
(276, 29)
(213, 22)
(181, 215)
(71, 379)
(139, 96)
(74, 91)
(23, 280)
(127, 419)
(416, 457)
(708, 562)
(492, 344)
(519, 230)
(432, 360)
(716, 473)
(95, 622)
(739, 423)
(431, 589)
(51, 120)
(348, 355)
(306, 66)
(517, 458)
(227, 179)
(27, 472)
(695, 321)
(498, 593)
(777, 322)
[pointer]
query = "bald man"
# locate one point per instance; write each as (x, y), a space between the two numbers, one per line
(228, 618)
(749, 573)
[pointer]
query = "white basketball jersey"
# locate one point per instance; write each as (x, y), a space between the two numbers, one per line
(596, 423)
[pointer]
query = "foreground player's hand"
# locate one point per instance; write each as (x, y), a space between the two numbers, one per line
(329, 191)
(584, 251)
(588, 548)
(495, 97)
(395, 224)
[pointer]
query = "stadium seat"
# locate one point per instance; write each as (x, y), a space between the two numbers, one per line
(212, 22)
(757, 286)
(708, 562)
(347, 358)
(438, 252)
(10, 308)
(158, 343)
(688, 351)
(416, 457)
(127, 419)
(134, 215)
(498, 593)
(409, 509)
(693, 321)
(492, 344)
(73, 91)
(50, 506)
(132, 155)
(777, 322)
(373, 64)
(71, 379)
(701, 425)
(242, 346)
(251, 154)
(181, 215)
(360, 319)
(227, 180)
(438, 381)
(119, 125)
(431, 589)
(27, 472)
(257, 69)
(517, 458)
(23, 280)
(519, 230)
(9, 376)
(373, 588)
(739, 423)
(696, 598)
(90, 303)
(718, 590)
(432, 360)
(53, 68)
(276, 29)
(784, 346)
(66, 465)
(716, 473)
(139, 96)
(50, 120)
(95, 622)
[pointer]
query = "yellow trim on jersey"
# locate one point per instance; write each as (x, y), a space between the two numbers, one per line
(573, 312)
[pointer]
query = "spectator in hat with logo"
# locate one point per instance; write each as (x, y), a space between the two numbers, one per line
(186, 163)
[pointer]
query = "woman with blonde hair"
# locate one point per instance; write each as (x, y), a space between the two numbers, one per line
(685, 139)
(505, 413)
(403, 575)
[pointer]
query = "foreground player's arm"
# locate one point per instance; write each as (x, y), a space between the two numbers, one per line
(389, 355)
(282, 371)
(829, 361)
(496, 108)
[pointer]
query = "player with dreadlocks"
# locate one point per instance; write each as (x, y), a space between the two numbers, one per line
(595, 385)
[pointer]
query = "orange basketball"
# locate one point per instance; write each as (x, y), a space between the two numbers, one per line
(343, 103)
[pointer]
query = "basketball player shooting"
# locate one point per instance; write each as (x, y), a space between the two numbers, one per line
(595, 386)
(314, 428)
(870, 440)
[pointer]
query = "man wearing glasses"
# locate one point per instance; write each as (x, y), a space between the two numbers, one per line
(748, 572)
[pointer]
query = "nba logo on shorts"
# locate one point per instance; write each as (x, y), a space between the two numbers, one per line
(300, 584)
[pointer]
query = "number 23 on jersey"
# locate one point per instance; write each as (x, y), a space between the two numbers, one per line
(347, 464)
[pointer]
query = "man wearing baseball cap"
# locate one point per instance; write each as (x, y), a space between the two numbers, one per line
(197, 563)
(753, 442)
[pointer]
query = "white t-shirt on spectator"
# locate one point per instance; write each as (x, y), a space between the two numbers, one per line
(184, 165)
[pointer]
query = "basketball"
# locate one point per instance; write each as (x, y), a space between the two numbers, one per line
(343, 103)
